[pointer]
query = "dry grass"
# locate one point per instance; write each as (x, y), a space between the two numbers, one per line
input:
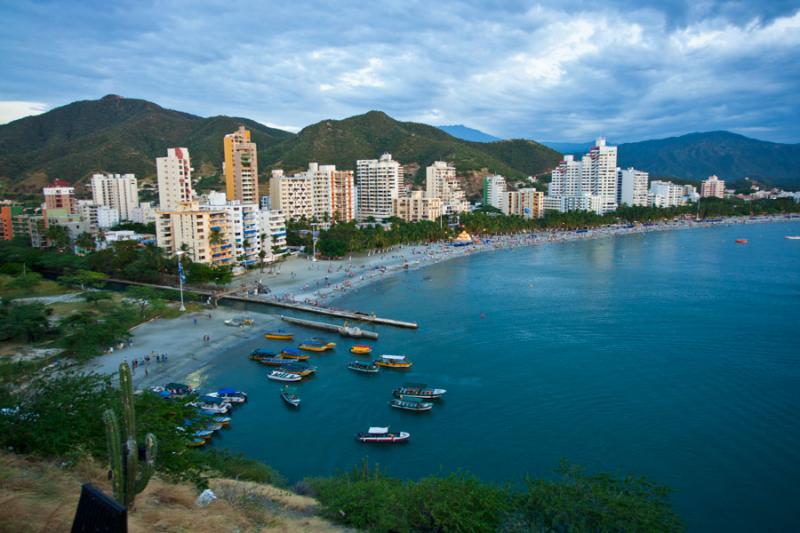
(40, 496)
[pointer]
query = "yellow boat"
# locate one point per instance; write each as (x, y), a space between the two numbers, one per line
(394, 361)
(292, 353)
(317, 346)
(196, 443)
(361, 349)
(279, 335)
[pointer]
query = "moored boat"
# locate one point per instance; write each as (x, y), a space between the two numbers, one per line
(176, 390)
(196, 442)
(229, 395)
(361, 349)
(293, 353)
(203, 434)
(383, 435)
(272, 361)
(224, 421)
(792, 237)
(741, 241)
(317, 345)
(259, 353)
(279, 335)
(276, 375)
(394, 361)
(289, 395)
(419, 390)
(366, 367)
(297, 368)
(411, 404)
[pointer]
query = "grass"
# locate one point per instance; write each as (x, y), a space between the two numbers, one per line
(45, 287)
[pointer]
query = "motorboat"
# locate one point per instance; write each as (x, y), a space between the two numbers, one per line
(394, 361)
(293, 353)
(289, 395)
(229, 395)
(741, 241)
(383, 435)
(277, 375)
(411, 404)
(259, 353)
(361, 349)
(297, 368)
(279, 335)
(419, 390)
(317, 345)
(792, 237)
(366, 367)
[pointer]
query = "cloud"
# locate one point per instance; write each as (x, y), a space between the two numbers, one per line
(566, 70)
(13, 109)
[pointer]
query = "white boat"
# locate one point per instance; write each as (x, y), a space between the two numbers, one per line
(382, 434)
(229, 395)
(277, 375)
(792, 237)
(218, 409)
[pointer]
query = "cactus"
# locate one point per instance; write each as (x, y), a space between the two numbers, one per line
(131, 467)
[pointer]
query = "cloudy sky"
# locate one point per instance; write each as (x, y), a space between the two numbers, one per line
(563, 70)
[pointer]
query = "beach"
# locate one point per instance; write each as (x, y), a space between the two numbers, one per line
(298, 279)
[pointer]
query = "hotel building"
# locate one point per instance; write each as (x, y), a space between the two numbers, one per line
(241, 167)
(174, 179)
(632, 187)
(417, 207)
(713, 187)
(120, 192)
(441, 182)
(379, 182)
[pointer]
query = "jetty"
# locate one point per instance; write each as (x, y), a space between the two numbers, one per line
(344, 331)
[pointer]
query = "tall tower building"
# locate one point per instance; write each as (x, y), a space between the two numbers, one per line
(241, 167)
(632, 187)
(60, 195)
(602, 174)
(120, 192)
(493, 189)
(174, 179)
(712, 187)
(592, 181)
(441, 182)
(379, 182)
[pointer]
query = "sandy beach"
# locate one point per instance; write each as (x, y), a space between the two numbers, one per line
(299, 279)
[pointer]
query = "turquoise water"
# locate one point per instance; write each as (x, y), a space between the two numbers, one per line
(673, 355)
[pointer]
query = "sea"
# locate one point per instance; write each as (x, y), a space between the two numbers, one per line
(673, 355)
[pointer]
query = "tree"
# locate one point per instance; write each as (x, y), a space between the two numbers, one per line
(145, 297)
(215, 237)
(57, 236)
(262, 252)
(85, 241)
(25, 281)
(24, 322)
(84, 278)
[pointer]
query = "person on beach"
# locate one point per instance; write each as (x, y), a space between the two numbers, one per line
(195, 321)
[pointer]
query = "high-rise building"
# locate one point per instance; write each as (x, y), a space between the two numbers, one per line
(242, 226)
(292, 195)
(441, 182)
(416, 207)
(632, 187)
(143, 213)
(120, 192)
(7, 214)
(603, 174)
(379, 183)
(174, 179)
(527, 203)
(594, 175)
(712, 187)
(60, 195)
(202, 233)
(666, 194)
(241, 167)
(273, 231)
(493, 189)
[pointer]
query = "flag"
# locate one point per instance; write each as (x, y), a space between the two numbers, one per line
(181, 274)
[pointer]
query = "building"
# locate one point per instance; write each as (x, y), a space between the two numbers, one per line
(527, 203)
(417, 207)
(7, 215)
(120, 192)
(632, 187)
(712, 187)
(273, 230)
(174, 179)
(595, 175)
(342, 192)
(241, 167)
(59, 195)
(564, 204)
(666, 194)
(33, 226)
(441, 182)
(379, 183)
(265, 203)
(201, 233)
(292, 195)
(493, 189)
(143, 213)
(243, 225)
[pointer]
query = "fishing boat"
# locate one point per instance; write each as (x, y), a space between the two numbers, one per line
(277, 375)
(224, 421)
(176, 390)
(196, 442)
(289, 395)
(229, 395)
(317, 345)
(272, 361)
(214, 426)
(394, 361)
(382, 435)
(792, 237)
(419, 390)
(411, 404)
(741, 241)
(203, 434)
(239, 322)
(293, 353)
(279, 335)
(368, 368)
(212, 406)
(361, 349)
(260, 353)
(300, 369)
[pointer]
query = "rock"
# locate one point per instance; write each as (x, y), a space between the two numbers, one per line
(205, 498)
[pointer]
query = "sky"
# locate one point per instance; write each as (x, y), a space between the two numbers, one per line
(554, 71)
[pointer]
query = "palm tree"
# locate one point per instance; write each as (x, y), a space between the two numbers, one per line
(215, 237)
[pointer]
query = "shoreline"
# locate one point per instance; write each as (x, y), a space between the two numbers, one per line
(321, 283)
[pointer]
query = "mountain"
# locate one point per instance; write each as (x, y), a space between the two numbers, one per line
(569, 148)
(459, 131)
(367, 136)
(730, 156)
(112, 134)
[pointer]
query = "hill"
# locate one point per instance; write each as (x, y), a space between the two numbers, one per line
(730, 156)
(112, 134)
(459, 131)
(367, 136)
(569, 148)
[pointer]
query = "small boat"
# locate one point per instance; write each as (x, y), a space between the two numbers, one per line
(289, 395)
(173, 390)
(215, 426)
(293, 353)
(361, 349)
(411, 404)
(239, 322)
(792, 237)
(317, 345)
(418, 390)
(394, 361)
(229, 395)
(196, 443)
(297, 368)
(224, 421)
(203, 434)
(284, 376)
(358, 366)
(279, 335)
(260, 353)
(741, 241)
(272, 361)
(382, 435)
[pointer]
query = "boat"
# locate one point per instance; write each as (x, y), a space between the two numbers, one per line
(394, 361)
(317, 345)
(224, 421)
(272, 361)
(411, 404)
(297, 368)
(214, 426)
(293, 353)
(383, 435)
(359, 366)
(418, 390)
(289, 395)
(276, 375)
(173, 390)
(239, 322)
(279, 335)
(215, 406)
(361, 349)
(260, 353)
(741, 241)
(203, 434)
(792, 237)
(196, 442)
(229, 395)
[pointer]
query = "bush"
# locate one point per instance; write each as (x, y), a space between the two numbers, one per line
(237, 466)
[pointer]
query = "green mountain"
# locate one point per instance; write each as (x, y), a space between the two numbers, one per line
(367, 136)
(730, 156)
(112, 134)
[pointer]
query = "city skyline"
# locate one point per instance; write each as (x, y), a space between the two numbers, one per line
(566, 72)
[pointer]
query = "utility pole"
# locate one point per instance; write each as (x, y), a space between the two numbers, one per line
(180, 278)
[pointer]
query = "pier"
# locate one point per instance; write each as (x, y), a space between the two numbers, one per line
(344, 331)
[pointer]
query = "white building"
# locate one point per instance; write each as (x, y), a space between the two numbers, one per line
(143, 213)
(379, 183)
(632, 187)
(594, 176)
(712, 187)
(292, 195)
(242, 225)
(273, 231)
(120, 191)
(107, 217)
(174, 179)
(493, 189)
(441, 182)
(666, 194)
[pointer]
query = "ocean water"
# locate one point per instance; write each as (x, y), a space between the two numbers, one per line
(673, 355)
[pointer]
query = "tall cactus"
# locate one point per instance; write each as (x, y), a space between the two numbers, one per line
(131, 467)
